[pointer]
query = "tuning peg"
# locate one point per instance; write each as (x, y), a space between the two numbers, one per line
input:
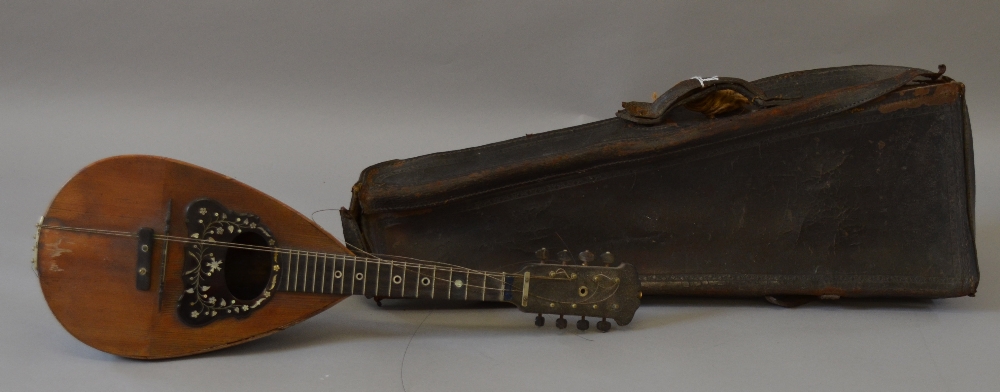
(583, 324)
(603, 325)
(564, 256)
(561, 322)
(539, 320)
(608, 258)
(542, 255)
(586, 257)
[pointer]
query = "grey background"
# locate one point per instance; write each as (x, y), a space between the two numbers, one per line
(295, 98)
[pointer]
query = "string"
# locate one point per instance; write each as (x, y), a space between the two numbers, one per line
(288, 251)
(376, 259)
(424, 262)
(313, 215)
(437, 263)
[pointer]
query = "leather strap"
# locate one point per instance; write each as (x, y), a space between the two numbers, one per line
(690, 90)
(684, 92)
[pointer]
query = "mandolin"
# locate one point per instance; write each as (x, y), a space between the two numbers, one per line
(148, 257)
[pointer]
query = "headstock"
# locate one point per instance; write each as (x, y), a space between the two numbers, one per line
(580, 290)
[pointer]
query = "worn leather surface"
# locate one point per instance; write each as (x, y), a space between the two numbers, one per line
(859, 184)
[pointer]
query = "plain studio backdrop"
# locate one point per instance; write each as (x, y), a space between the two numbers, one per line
(296, 98)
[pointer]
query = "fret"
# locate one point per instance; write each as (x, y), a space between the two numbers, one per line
(288, 272)
(304, 276)
(364, 275)
(393, 276)
(503, 280)
(298, 271)
(322, 284)
(314, 265)
(305, 273)
(318, 274)
(315, 269)
(354, 272)
(390, 281)
(433, 279)
(402, 288)
(467, 274)
(334, 277)
(484, 286)
(287, 269)
(416, 282)
(333, 273)
(343, 273)
(295, 285)
(302, 273)
(309, 284)
(450, 272)
(377, 276)
(390, 269)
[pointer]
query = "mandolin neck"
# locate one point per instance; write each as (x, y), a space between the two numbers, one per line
(337, 274)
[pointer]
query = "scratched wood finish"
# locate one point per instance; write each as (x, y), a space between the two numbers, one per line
(89, 280)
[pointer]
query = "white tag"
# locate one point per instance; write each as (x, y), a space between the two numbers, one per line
(703, 80)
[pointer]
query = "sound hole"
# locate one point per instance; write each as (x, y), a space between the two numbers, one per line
(247, 270)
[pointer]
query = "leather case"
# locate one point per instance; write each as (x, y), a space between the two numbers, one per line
(839, 182)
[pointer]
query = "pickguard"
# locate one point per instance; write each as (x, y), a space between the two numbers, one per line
(211, 229)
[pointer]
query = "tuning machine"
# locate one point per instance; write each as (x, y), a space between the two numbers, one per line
(561, 322)
(542, 255)
(564, 257)
(604, 325)
(582, 324)
(607, 258)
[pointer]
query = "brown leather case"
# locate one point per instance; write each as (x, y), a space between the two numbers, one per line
(839, 182)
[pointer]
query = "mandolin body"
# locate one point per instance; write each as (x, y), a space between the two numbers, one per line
(89, 279)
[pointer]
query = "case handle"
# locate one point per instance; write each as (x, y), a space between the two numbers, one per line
(710, 96)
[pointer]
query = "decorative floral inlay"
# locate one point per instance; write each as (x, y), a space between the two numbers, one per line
(206, 297)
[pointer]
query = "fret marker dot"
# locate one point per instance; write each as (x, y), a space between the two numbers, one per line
(337, 274)
(458, 283)
(396, 279)
(359, 276)
(425, 281)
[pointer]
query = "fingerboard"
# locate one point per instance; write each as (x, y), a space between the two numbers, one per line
(312, 272)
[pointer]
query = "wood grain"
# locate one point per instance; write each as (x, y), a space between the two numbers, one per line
(89, 279)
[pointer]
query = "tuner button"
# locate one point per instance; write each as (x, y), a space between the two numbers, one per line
(586, 257)
(608, 258)
(603, 325)
(564, 256)
(583, 324)
(542, 254)
(561, 322)
(539, 320)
